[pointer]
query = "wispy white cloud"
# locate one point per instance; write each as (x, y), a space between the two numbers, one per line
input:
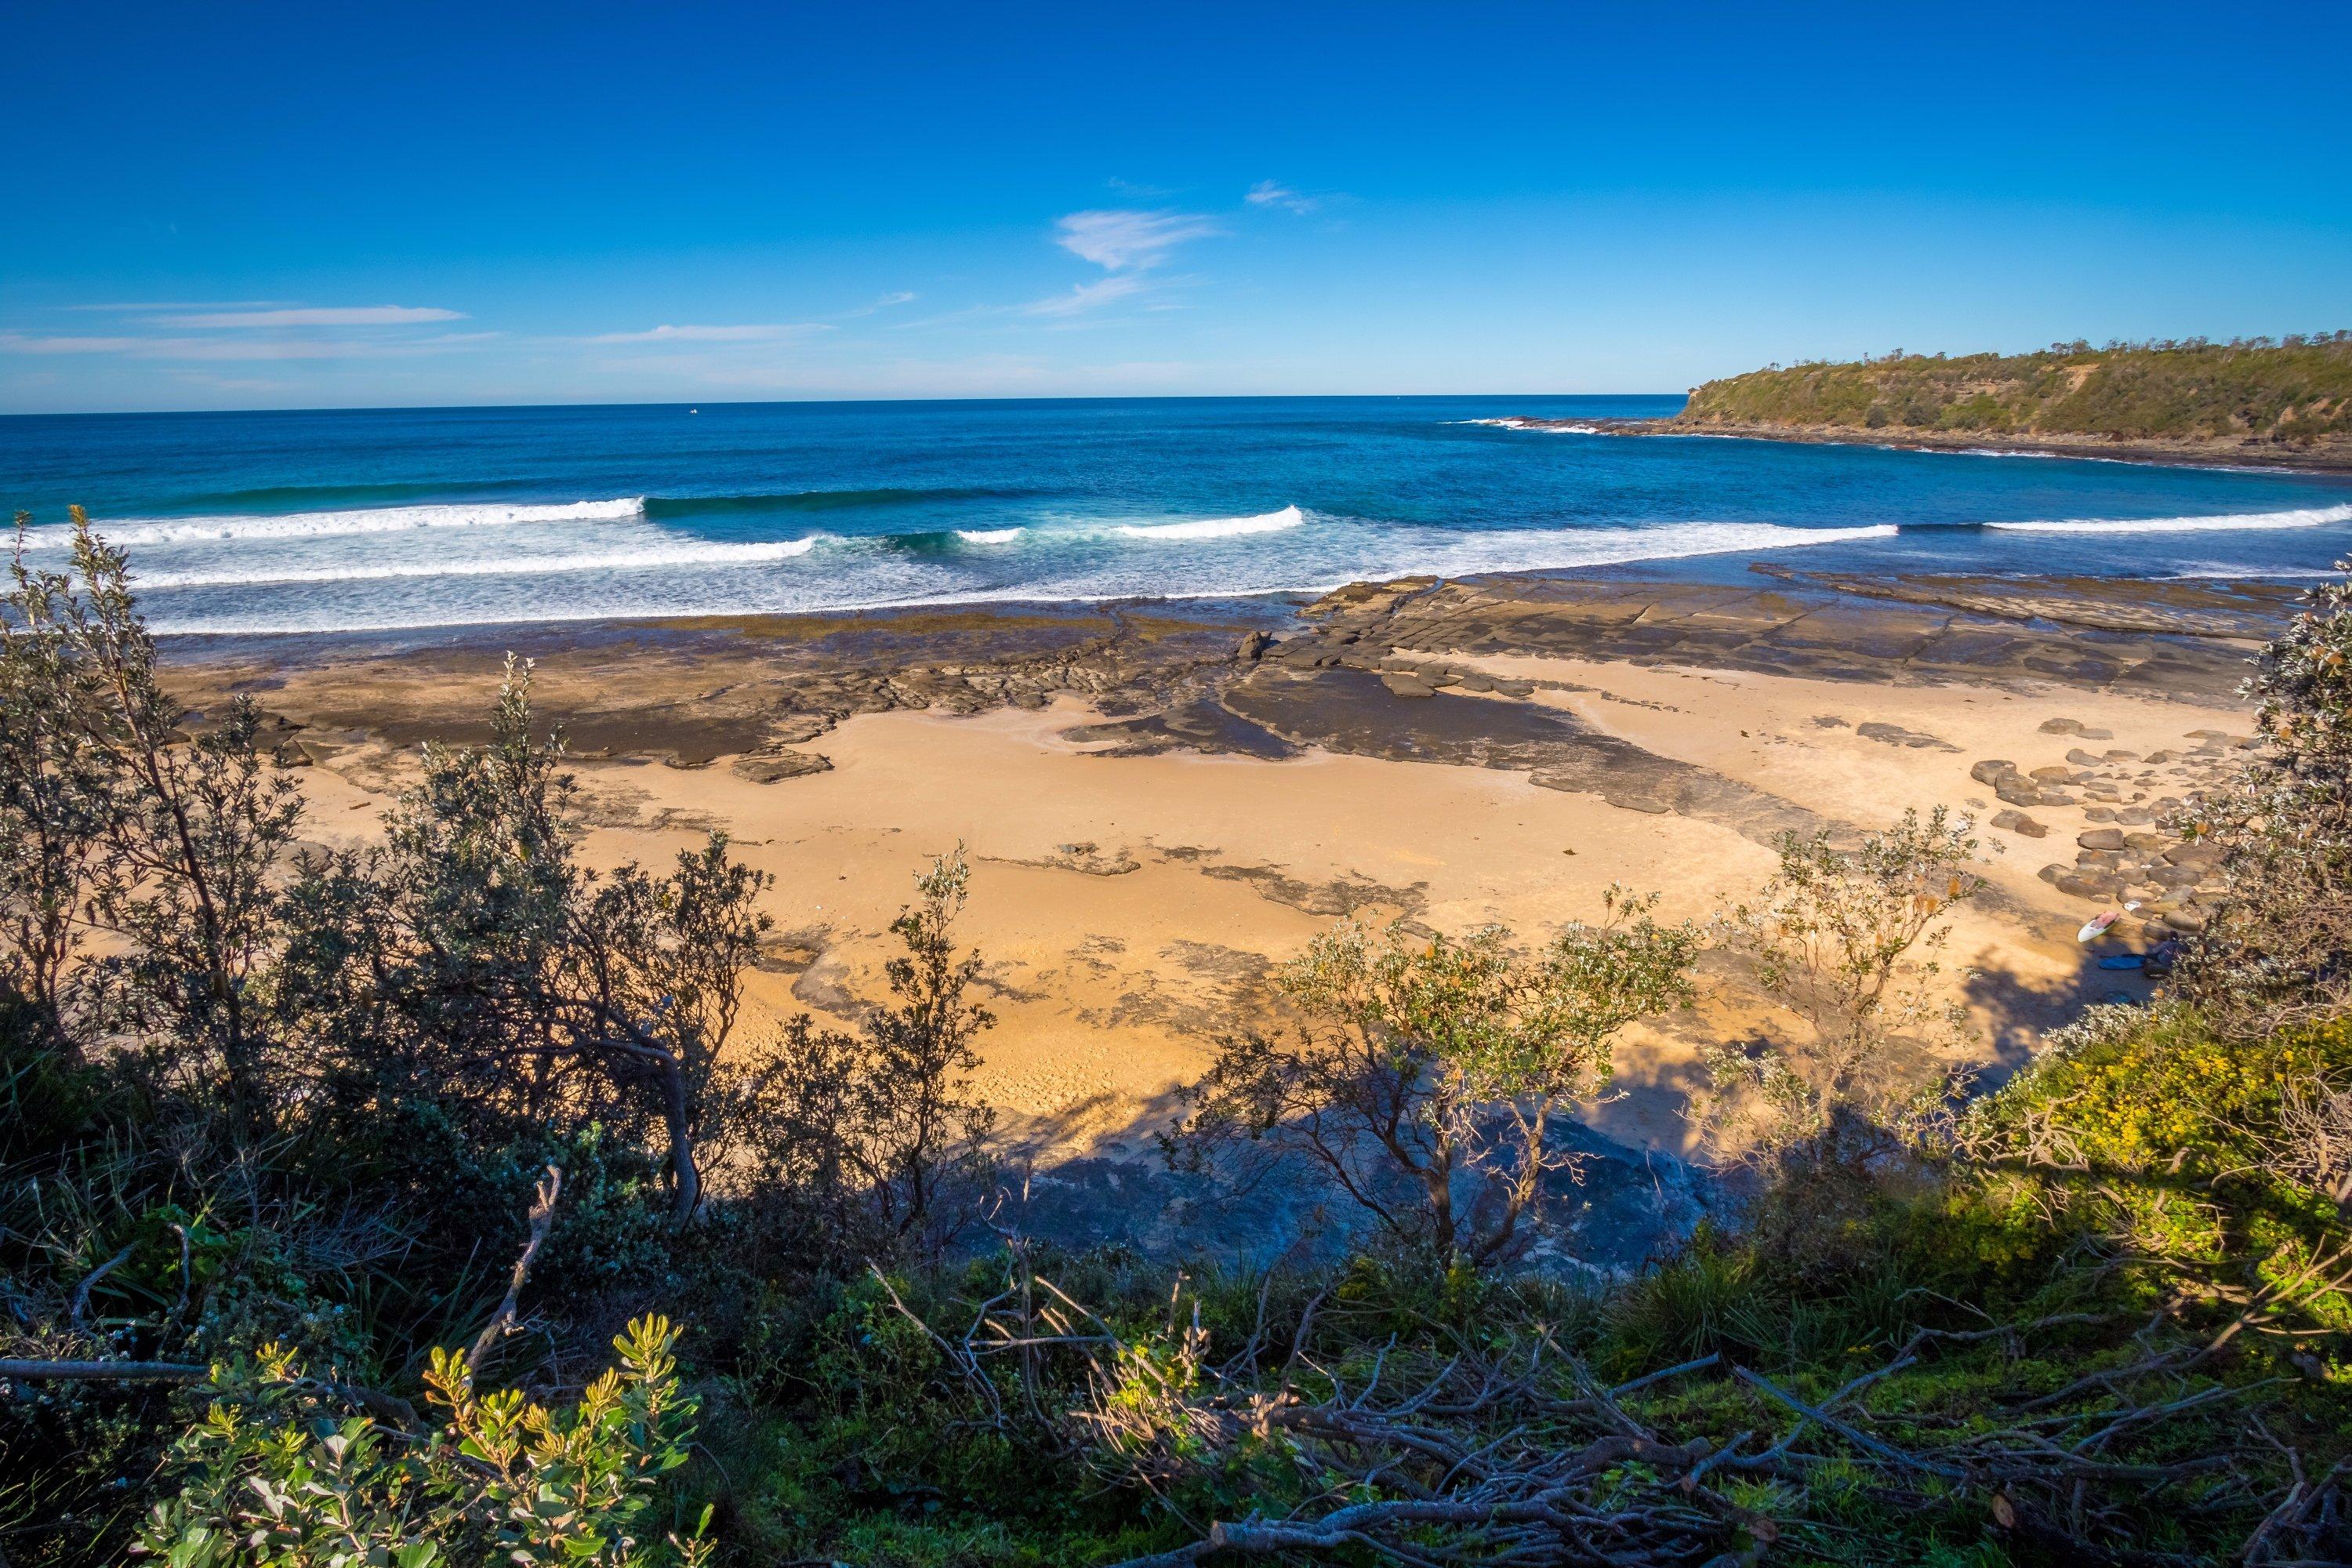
(316, 316)
(124, 306)
(890, 301)
(233, 348)
(746, 332)
(1124, 239)
(62, 343)
(1273, 193)
(1085, 297)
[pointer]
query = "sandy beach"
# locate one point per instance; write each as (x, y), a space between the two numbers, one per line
(1159, 806)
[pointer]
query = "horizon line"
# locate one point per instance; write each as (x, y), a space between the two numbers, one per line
(805, 402)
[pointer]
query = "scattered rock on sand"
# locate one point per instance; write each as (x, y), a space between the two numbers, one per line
(2101, 838)
(1897, 735)
(771, 766)
(2075, 727)
(2018, 822)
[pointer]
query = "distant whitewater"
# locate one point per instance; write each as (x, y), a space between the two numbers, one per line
(255, 523)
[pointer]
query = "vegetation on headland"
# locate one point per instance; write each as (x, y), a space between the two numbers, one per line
(420, 1206)
(2288, 391)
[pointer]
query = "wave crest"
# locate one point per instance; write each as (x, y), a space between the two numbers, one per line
(2305, 517)
(339, 524)
(497, 566)
(658, 507)
(1217, 527)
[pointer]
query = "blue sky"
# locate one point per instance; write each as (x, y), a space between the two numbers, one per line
(262, 207)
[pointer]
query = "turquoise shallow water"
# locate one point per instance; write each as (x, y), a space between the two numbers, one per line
(386, 519)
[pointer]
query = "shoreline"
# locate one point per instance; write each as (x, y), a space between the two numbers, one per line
(2260, 458)
(1160, 805)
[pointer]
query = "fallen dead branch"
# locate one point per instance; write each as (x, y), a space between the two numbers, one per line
(1517, 1455)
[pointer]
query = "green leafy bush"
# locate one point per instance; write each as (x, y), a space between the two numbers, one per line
(272, 1477)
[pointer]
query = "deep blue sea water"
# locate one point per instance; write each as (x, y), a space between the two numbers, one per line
(335, 520)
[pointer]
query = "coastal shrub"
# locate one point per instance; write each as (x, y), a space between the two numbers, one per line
(274, 1474)
(2101, 1316)
(1847, 936)
(1829, 1126)
(116, 822)
(2278, 948)
(1429, 1073)
(2226, 1164)
(880, 1131)
(470, 962)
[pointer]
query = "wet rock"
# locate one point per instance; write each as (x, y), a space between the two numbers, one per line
(1407, 685)
(1252, 647)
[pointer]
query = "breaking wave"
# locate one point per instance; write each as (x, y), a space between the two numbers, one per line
(1217, 527)
(496, 567)
(2306, 517)
(663, 506)
(1542, 426)
(337, 524)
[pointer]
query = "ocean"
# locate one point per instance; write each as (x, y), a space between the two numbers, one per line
(325, 522)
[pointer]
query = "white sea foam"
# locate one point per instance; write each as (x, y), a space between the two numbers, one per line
(1358, 552)
(1217, 527)
(1546, 426)
(988, 535)
(653, 557)
(1513, 550)
(2306, 517)
(337, 524)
